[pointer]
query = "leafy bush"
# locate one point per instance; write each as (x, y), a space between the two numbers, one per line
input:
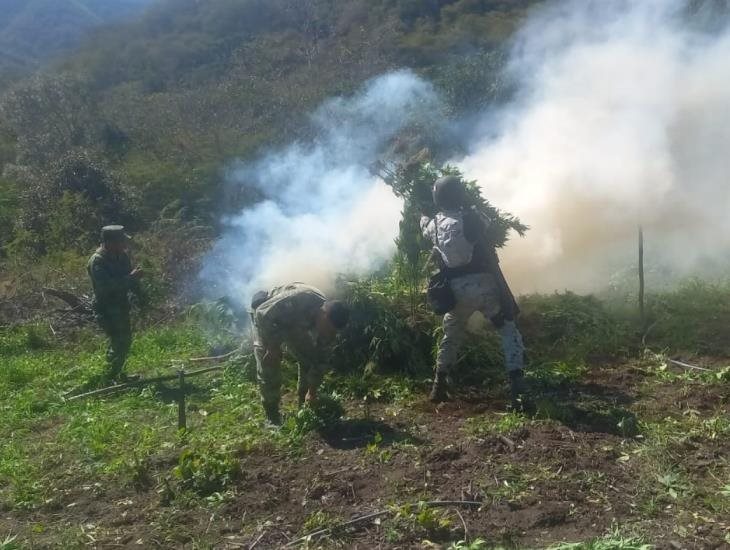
(572, 328)
(321, 415)
(389, 328)
(85, 196)
(693, 318)
(206, 471)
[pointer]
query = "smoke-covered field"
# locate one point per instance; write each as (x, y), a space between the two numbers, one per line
(620, 117)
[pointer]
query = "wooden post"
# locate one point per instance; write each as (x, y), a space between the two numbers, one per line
(181, 420)
(642, 312)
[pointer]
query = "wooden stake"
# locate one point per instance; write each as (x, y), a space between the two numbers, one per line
(642, 312)
(181, 420)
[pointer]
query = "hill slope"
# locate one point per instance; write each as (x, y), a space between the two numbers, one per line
(34, 30)
(164, 101)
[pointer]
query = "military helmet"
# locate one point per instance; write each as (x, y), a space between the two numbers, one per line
(259, 298)
(113, 234)
(449, 193)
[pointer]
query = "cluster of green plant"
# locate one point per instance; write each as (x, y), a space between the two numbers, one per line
(612, 541)
(421, 521)
(321, 416)
(693, 317)
(568, 327)
(505, 423)
(206, 471)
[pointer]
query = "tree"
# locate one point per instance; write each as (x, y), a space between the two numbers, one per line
(50, 115)
(84, 196)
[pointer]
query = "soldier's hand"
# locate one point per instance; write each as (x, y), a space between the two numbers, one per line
(311, 395)
(136, 273)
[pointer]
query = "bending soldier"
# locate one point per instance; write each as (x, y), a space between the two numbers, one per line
(112, 279)
(301, 318)
(463, 250)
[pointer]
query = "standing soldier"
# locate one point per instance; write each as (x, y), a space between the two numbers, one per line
(112, 279)
(301, 318)
(463, 251)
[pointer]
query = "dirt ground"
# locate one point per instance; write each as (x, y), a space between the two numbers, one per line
(542, 482)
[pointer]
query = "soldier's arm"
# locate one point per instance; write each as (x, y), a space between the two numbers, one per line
(426, 227)
(315, 376)
(320, 363)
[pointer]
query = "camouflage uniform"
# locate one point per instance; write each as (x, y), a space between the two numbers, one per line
(288, 318)
(111, 282)
(474, 292)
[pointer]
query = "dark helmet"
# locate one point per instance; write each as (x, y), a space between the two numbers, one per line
(449, 193)
(259, 298)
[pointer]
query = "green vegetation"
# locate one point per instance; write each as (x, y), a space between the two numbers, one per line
(612, 541)
(130, 442)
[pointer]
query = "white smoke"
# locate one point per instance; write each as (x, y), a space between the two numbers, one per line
(324, 212)
(622, 118)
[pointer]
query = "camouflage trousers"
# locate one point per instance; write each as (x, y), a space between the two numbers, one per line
(477, 292)
(269, 353)
(118, 328)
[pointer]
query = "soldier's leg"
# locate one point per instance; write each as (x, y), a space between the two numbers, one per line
(307, 355)
(514, 362)
(513, 347)
(454, 327)
(107, 324)
(124, 344)
(268, 372)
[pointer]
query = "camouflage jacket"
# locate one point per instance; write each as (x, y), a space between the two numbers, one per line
(289, 316)
(289, 310)
(110, 280)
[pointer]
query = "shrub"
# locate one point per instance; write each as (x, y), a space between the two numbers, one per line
(206, 471)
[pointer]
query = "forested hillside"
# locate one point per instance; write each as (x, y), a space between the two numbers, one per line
(149, 111)
(31, 31)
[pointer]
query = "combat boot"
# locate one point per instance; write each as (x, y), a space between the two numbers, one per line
(518, 390)
(439, 390)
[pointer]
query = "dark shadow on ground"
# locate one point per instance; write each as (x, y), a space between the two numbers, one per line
(581, 406)
(595, 417)
(585, 406)
(171, 393)
(358, 433)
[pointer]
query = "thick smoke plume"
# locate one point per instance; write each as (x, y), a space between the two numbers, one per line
(622, 118)
(325, 213)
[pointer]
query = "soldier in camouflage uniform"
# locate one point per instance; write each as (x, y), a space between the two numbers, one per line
(301, 318)
(463, 251)
(112, 279)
